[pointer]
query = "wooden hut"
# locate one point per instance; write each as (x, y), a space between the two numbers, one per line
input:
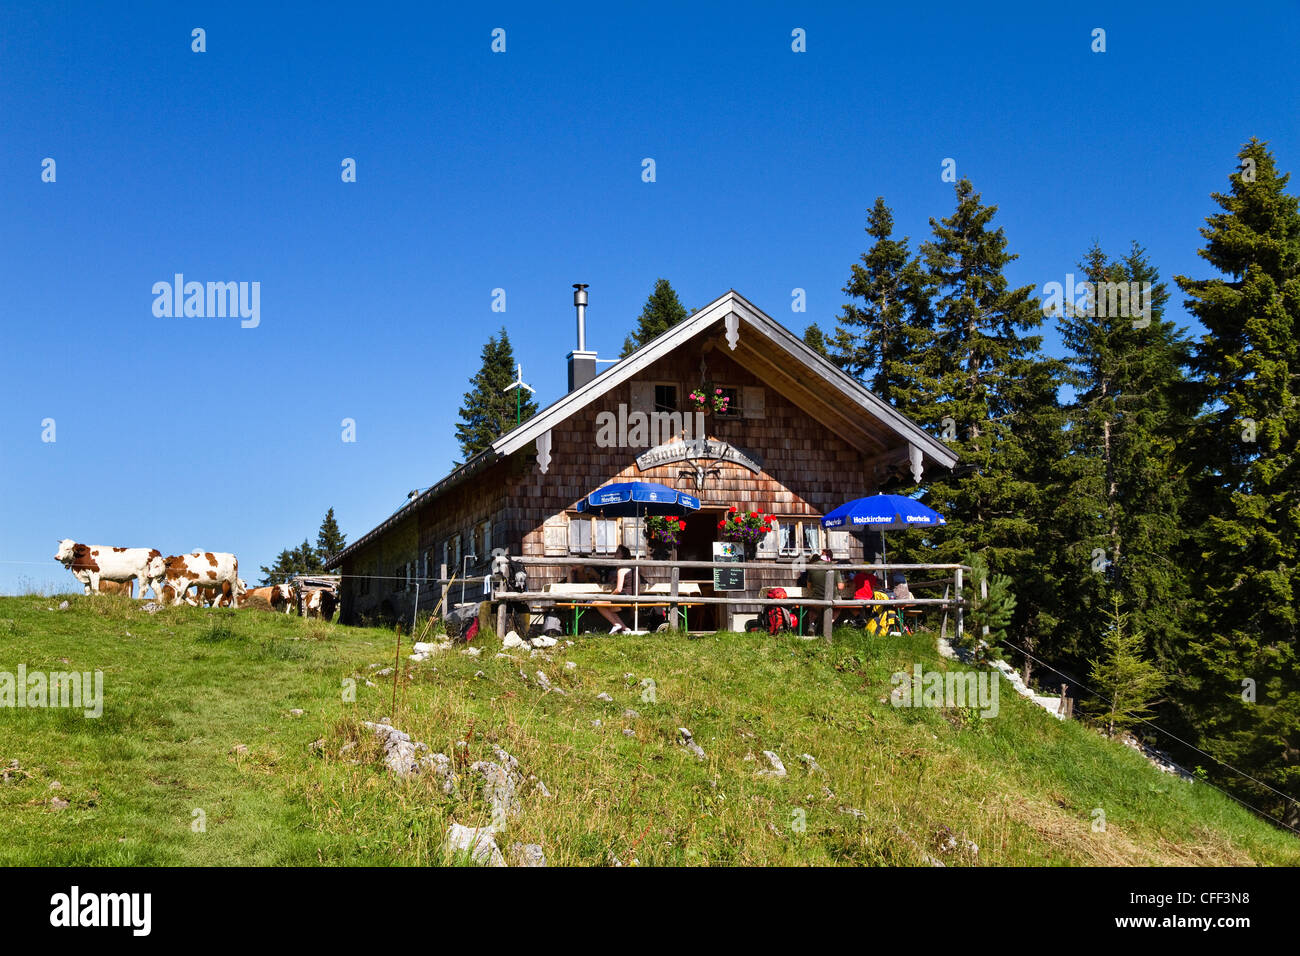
(797, 438)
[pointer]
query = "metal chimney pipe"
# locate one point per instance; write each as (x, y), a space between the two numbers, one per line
(580, 303)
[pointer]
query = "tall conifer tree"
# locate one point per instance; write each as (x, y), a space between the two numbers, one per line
(880, 335)
(988, 386)
(489, 411)
(662, 310)
(1243, 464)
(1120, 492)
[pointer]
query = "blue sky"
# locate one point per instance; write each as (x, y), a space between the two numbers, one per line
(518, 170)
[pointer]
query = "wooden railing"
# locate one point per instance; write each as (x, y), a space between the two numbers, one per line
(953, 575)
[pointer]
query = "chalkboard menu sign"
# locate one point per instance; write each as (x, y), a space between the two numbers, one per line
(728, 579)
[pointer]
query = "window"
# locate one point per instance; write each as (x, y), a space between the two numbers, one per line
(733, 403)
(812, 539)
(487, 539)
(788, 537)
(455, 553)
(665, 398)
(593, 535)
(606, 535)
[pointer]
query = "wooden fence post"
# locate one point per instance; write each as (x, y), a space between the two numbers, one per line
(960, 617)
(442, 573)
(673, 577)
(828, 616)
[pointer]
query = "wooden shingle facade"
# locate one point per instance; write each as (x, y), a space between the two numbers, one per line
(797, 439)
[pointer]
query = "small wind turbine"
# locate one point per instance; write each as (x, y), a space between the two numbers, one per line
(519, 385)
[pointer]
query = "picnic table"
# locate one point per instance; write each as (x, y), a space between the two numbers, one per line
(802, 612)
(580, 597)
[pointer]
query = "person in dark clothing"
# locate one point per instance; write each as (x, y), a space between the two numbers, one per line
(624, 583)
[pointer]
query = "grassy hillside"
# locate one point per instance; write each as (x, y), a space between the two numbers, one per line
(185, 687)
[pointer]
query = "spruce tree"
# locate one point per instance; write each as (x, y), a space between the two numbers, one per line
(661, 312)
(878, 340)
(1243, 465)
(984, 384)
(1130, 683)
(488, 410)
(304, 559)
(1119, 491)
(329, 539)
(815, 339)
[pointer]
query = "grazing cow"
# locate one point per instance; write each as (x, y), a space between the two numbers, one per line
(215, 571)
(90, 564)
(208, 596)
(281, 597)
(320, 603)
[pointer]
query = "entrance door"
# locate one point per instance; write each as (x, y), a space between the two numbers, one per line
(696, 544)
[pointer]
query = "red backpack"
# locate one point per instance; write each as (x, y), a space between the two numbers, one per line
(778, 618)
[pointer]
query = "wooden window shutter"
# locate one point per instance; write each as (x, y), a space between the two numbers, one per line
(487, 539)
(555, 536)
(770, 542)
(643, 397)
(838, 542)
(751, 401)
(580, 535)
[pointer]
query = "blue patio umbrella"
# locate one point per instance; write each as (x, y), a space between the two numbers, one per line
(883, 513)
(628, 499)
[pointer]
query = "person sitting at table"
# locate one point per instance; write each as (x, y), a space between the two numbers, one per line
(584, 574)
(819, 569)
(624, 583)
(864, 584)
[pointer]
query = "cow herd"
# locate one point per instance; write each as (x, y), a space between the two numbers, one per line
(212, 575)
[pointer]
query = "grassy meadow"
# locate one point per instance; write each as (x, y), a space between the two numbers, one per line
(201, 757)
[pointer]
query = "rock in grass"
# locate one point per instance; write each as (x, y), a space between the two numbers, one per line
(513, 640)
(479, 843)
(685, 738)
(631, 714)
(778, 768)
(527, 854)
(811, 763)
(605, 697)
(58, 803)
(500, 784)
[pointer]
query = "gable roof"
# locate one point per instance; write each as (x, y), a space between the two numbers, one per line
(886, 422)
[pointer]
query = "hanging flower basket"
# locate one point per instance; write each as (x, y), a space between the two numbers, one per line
(747, 527)
(664, 529)
(707, 399)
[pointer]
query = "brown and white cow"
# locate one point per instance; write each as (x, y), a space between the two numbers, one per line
(320, 603)
(90, 564)
(211, 571)
(281, 597)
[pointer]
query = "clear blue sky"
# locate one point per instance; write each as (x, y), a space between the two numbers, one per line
(521, 171)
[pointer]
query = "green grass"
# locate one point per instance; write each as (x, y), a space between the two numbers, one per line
(187, 685)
